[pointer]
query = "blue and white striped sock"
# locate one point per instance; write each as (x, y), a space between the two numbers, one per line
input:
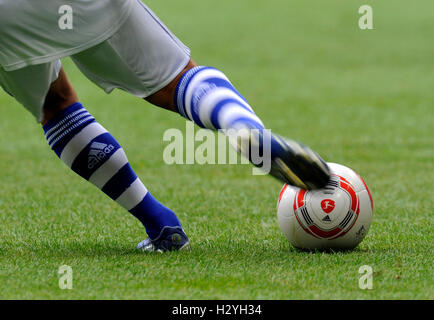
(91, 151)
(205, 96)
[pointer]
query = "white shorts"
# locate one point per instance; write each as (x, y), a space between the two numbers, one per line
(142, 57)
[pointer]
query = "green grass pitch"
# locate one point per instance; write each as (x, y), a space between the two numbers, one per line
(363, 98)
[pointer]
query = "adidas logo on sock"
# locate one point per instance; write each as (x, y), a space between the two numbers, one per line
(98, 151)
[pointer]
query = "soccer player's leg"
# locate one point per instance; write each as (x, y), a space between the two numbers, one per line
(205, 96)
(90, 150)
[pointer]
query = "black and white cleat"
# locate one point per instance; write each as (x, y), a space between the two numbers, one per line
(170, 239)
(296, 164)
(290, 162)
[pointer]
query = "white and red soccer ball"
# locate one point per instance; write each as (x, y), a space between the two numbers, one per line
(335, 217)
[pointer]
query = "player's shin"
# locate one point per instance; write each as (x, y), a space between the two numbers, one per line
(92, 152)
(205, 96)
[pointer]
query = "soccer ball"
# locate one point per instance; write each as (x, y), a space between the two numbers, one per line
(337, 216)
